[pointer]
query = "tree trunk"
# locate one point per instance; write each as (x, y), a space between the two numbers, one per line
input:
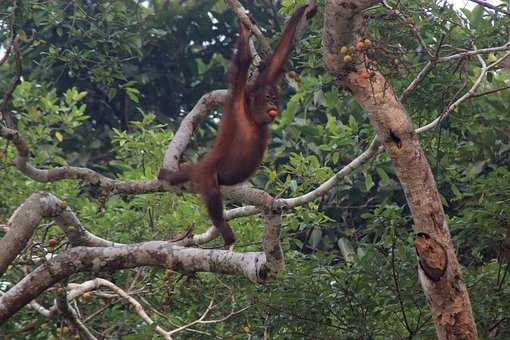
(439, 271)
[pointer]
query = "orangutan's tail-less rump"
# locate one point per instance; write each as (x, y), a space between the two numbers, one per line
(180, 176)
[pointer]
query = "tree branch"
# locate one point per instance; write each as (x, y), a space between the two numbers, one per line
(491, 6)
(240, 12)
(153, 253)
(464, 54)
(469, 94)
(439, 271)
(188, 126)
(257, 267)
(491, 91)
(412, 26)
(423, 73)
(99, 282)
(23, 221)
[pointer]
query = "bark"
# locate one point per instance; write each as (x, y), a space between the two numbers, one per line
(439, 271)
(104, 255)
(153, 253)
(22, 223)
(39, 206)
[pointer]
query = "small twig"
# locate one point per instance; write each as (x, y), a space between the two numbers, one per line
(204, 322)
(397, 288)
(505, 272)
(100, 310)
(100, 282)
(423, 73)
(225, 318)
(84, 331)
(491, 91)
(7, 117)
(413, 28)
(488, 5)
(464, 54)
(463, 98)
(496, 325)
(68, 313)
(200, 320)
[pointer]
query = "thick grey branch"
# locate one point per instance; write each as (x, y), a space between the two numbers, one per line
(116, 256)
(188, 126)
(25, 219)
(154, 253)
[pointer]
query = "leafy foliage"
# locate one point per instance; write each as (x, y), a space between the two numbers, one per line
(106, 82)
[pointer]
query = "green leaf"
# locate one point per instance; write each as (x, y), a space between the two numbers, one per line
(476, 16)
(456, 192)
(290, 111)
(353, 123)
(59, 136)
(315, 237)
(346, 249)
(369, 182)
(133, 94)
(385, 179)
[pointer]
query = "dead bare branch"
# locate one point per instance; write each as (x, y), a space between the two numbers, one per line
(258, 267)
(100, 282)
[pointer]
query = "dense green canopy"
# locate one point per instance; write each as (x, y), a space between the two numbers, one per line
(105, 85)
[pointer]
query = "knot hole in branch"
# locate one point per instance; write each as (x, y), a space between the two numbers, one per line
(433, 258)
(395, 138)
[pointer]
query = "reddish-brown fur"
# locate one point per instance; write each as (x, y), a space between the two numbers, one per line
(243, 132)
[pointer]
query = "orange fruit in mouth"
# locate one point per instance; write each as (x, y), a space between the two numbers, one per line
(272, 113)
